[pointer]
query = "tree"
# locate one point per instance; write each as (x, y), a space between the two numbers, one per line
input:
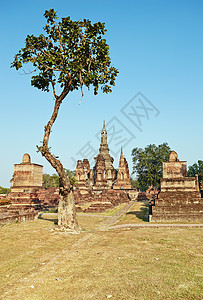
(4, 190)
(195, 169)
(70, 55)
(50, 181)
(147, 163)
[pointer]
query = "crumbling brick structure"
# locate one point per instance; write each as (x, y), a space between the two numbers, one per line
(150, 194)
(123, 176)
(103, 183)
(49, 198)
(180, 197)
(27, 180)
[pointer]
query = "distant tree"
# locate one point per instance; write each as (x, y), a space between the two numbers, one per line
(196, 168)
(50, 181)
(135, 183)
(147, 164)
(4, 190)
(67, 57)
(71, 176)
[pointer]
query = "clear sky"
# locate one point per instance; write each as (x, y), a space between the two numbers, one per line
(157, 45)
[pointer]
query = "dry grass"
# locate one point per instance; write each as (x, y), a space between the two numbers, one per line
(138, 213)
(39, 263)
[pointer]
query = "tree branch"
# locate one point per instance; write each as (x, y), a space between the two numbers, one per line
(47, 130)
(27, 73)
(54, 91)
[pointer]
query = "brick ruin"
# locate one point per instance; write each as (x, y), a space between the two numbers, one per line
(27, 194)
(103, 184)
(150, 194)
(104, 187)
(180, 197)
(26, 182)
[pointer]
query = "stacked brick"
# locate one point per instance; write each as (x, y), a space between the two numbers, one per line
(102, 199)
(180, 197)
(48, 197)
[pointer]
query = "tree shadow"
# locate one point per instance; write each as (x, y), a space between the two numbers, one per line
(55, 221)
(142, 214)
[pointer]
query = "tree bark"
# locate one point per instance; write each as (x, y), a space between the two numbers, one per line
(66, 208)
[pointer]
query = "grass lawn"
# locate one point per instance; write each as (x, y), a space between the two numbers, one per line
(138, 213)
(37, 262)
(108, 212)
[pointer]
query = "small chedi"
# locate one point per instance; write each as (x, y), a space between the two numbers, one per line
(23, 198)
(103, 184)
(26, 187)
(27, 180)
(180, 197)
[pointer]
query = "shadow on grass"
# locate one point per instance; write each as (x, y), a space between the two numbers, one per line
(142, 214)
(55, 221)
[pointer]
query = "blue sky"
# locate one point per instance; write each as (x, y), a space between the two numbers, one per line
(157, 47)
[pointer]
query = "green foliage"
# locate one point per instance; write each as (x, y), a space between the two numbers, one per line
(4, 190)
(69, 52)
(53, 180)
(71, 176)
(135, 183)
(50, 181)
(196, 168)
(147, 164)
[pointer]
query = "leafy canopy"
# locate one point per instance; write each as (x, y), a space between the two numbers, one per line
(147, 164)
(195, 169)
(73, 52)
(4, 190)
(50, 181)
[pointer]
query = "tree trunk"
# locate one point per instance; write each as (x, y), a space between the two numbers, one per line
(66, 210)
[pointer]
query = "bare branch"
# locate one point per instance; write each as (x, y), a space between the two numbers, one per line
(89, 65)
(54, 91)
(27, 73)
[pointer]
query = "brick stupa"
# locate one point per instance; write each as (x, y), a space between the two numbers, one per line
(179, 198)
(103, 183)
(27, 180)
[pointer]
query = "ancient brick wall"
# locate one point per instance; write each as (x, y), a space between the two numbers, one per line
(48, 197)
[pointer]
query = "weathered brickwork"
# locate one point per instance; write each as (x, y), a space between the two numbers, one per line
(150, 194)
(27, 180)
(123, 176)
(10, 214)
(48, 197)
(180, 197)
(103, 183)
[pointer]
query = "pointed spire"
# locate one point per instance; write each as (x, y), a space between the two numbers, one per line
(121, 151)
(104, 127)
(121, 157)
(104, 136)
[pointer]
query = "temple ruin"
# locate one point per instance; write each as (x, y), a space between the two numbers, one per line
(103, 183)
(180, 197)
(27, 180)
